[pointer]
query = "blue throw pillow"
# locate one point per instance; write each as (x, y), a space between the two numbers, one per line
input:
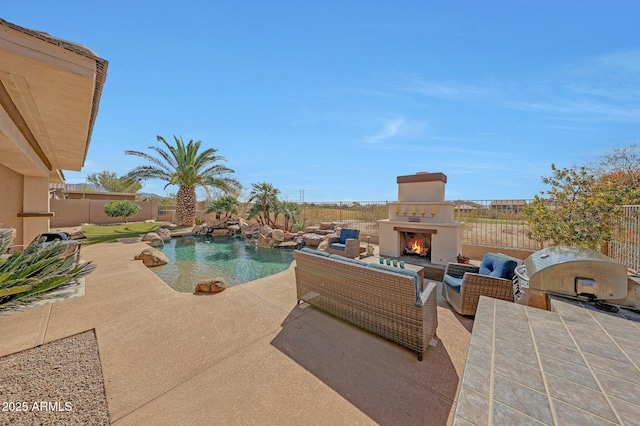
(347, 233)
(497, 266)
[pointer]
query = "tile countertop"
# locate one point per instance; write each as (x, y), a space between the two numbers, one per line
(572, 365)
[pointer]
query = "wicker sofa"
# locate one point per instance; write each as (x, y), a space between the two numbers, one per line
(384, 300)
(463, 284)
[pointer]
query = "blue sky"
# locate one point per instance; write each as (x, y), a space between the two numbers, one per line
(337, 98)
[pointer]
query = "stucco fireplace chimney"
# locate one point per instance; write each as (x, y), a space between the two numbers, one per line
(422, 214)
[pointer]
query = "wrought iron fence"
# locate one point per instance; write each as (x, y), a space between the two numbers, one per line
(625, 248)
(496, 223)
(362, 215)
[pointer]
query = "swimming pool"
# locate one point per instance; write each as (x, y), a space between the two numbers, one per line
(192, 259)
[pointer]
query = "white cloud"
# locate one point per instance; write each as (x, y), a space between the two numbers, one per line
(390, 129)
(451, 90)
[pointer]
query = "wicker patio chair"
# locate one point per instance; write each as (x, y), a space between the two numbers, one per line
(347, 244)
(464, 284)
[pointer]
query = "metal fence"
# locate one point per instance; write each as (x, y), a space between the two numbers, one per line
(496, 223)
(625, 248)
(362, 215)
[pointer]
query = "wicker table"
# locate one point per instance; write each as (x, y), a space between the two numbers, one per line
(408, 266)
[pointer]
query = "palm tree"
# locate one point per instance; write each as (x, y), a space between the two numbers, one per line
(290, 210)
(267, 194)
(228, 205)
(184, 166)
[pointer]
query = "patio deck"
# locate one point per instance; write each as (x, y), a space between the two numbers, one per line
(244, 356)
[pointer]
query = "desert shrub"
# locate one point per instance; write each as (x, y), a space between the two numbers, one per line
(122, 209)
(41, 267)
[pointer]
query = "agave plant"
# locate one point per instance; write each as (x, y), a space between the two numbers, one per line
(41, 267)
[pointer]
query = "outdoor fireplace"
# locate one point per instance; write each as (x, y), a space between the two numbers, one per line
(416, 244)
(421, 222)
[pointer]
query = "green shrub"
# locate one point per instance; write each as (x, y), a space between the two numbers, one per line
(122, 209)
(40, 267)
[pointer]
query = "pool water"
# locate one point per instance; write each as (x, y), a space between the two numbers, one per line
(192, 259)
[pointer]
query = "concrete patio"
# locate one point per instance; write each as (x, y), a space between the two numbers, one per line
(247, 355)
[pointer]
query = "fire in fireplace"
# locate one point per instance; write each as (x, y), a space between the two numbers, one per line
(417, 244)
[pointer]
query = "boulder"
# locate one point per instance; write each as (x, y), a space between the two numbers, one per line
(220, 232)
(152, 257)
(278, 235)
(324, 245)
(288, 236)
(264, 241)
(288, 245)
(210, 286)
(233, 229)
(219, 224)
(78, 235)
(310, 229)
(265, 229)
(326, 225)
(200, 230)
(153, 239)
(312, 240)
(164, 233)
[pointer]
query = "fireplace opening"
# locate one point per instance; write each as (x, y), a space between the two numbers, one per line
(416, 244)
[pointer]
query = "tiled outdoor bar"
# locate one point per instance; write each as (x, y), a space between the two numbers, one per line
(571, 365)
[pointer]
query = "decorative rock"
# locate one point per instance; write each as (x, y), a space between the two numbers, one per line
(220, 232)
(288, 245)
(164, 233)
(78, 235)
(153, 239)
(200, 230)
(288, 236)
(327, 225)
(264, 241)
(312, 240)
(278, 235)
(265, 229)
(310, 229)
(211, 286)
(152, 257)
(324, 245)
(233, 229)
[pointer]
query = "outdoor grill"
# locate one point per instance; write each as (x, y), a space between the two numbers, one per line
(574, 272)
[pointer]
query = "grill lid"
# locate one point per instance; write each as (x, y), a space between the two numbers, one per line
(576, 271)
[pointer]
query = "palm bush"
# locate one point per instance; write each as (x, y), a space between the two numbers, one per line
(41, 267)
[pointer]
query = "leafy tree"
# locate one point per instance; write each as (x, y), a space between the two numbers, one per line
(228, 205)
(187, 167)
(122, 209)
(267, 195)
(39, 268)
(583, 204)
(108, 181)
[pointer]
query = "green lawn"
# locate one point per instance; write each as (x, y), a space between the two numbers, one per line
(108, 233)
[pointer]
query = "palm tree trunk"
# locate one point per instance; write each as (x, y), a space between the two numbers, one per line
(186, 206)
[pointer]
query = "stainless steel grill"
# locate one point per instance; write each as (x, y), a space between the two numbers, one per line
(575, 272)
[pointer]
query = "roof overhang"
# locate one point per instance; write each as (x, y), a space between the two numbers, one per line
(50, 91)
